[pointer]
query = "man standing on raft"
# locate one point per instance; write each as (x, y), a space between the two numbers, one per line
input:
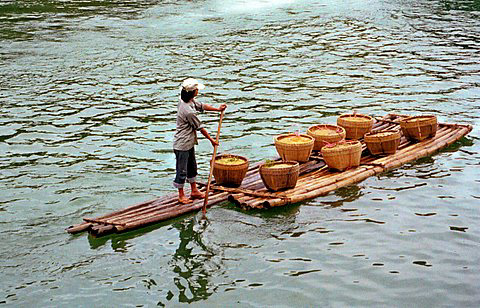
(186, 137)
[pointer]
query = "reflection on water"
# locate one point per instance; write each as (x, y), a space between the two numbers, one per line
(191, 263)
(88, 97)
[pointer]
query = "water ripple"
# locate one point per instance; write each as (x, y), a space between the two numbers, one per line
(89, 93)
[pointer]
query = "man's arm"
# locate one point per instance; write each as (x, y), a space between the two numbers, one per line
(207, 107)
(205, 133)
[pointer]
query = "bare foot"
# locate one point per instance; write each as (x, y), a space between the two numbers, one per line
(184, 200)
(197, 195)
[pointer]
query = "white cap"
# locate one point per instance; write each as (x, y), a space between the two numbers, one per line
(191, 84)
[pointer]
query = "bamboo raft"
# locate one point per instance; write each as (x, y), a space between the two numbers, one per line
(315, 180)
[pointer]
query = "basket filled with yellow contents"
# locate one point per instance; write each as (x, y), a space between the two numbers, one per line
(383, 142)
(418, 128)
(279, 175)
(325, 134)
(297, 147)
(356, 125)
(230, 170)
(342, 155)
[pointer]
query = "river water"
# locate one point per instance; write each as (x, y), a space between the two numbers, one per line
(88, 103)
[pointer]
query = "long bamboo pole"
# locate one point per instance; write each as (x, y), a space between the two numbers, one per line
(163, 216)
(135, 212)
(427, 150)
(138, 218)
(444, 134)
(100, 230)
(301, 188)
(126, 217)
(212, 163)
(85, 225)
(326, 189)
(303, 181)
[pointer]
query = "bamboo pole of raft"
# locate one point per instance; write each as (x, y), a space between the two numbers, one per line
(328, 180)
(117, 216)
(212, 163)
(318, 183)
(125, 217)
(420, 151)
(444, 134)
(158, 212)
(166, 202)
(137, 222)
(240, 198)
(85, 225)
(427, 150)
(144, 221)
(121, 215)
(413, 147)
(381, 127)
(324, 189)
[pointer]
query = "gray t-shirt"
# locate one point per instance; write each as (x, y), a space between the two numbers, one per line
(187, 124)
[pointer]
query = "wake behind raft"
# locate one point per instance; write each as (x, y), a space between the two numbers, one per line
(314, 177)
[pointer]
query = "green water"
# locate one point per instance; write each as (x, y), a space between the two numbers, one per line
(88, 94)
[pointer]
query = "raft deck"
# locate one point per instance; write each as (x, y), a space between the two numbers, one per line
(315, 180)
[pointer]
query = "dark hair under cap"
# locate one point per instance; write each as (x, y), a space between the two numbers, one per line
(187, 95)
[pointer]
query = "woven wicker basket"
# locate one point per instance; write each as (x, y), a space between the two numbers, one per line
(356, 125)
(230, 175)
(418, 128)
(343, 155)
(383, 142)
(279, 178)
(294, 151)
(325, 134)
